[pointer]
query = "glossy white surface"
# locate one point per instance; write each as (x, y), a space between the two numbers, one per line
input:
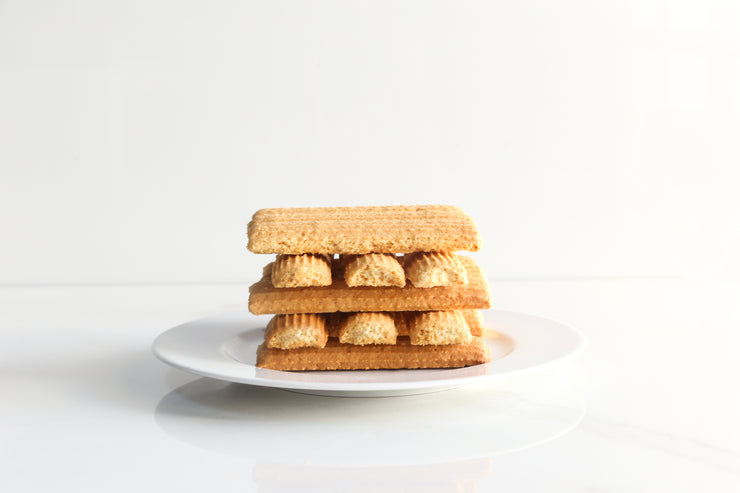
(652, 405)
(224, 347)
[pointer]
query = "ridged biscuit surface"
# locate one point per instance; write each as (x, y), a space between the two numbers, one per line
(474, 318)
(430, 269)
(338, 356)
(296, 331)
(368, 328)
(448, 327)
(293, 271)
(400, 319)
(264, 298)
(373, 269)
(358, 230)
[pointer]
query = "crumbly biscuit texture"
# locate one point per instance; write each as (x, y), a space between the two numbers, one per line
(430, 269)
(373, 269)
(435, 328)
(368, 328)
(359, 230)
(293, 271)
(338, 356)
(265, 298)
(335, 321)
(296, 331)
(400, 320)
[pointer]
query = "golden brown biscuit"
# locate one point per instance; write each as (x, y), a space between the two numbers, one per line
(264, 298)
(296, 331)
(358, 230)
(400, 320)
(448, 327)
(294, 271)
(472, 317)
(373, 269)
(430, 269)
(338, 356)
(367, 328)
(334, 322)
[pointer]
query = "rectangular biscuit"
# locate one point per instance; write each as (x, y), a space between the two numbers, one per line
(358, 230)
(367, 328)
(373, 269)
(264, 298)
(448, 327)
(429, 269)
(337, 356)
(293, 271)
(296, 330)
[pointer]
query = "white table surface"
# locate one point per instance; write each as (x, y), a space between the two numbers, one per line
(652, 405)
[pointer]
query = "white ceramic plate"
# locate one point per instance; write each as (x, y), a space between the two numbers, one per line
(224, 347)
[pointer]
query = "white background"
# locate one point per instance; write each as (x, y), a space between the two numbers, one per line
(586, 138)
(596, 143)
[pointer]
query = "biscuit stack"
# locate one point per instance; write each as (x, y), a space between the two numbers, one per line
(369, 288)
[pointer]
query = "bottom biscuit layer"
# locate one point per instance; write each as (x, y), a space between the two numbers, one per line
(337, 356)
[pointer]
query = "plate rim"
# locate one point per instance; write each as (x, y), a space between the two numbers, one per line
(224, 368)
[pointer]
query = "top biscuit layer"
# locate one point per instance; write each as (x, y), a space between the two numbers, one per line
(359, 230)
